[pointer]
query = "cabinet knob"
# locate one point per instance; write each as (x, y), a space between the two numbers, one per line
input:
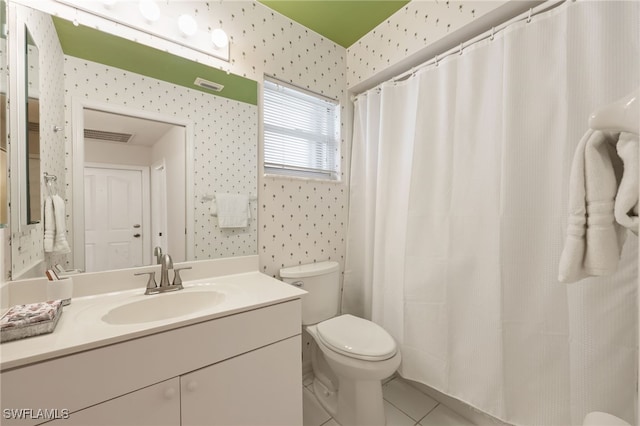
(192, 386)
(169, 393)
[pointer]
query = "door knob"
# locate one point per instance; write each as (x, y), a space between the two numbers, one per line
(136, 235)
(192, 385)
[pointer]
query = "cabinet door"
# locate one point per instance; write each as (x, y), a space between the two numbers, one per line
(259, 388)
(157, 405)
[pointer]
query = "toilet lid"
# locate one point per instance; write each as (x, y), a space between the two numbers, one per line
(357, 338)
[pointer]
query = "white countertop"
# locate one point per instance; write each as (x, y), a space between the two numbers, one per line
(81, 327)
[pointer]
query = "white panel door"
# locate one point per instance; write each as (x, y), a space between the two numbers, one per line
(113, 218)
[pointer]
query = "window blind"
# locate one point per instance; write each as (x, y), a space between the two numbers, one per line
(301, 133)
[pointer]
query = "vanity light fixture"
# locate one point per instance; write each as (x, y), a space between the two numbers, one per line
(219, 38)
(149, 9)
(188, 26)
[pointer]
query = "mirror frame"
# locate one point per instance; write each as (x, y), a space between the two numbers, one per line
(77, 122)
(17, 124)
(29, 183)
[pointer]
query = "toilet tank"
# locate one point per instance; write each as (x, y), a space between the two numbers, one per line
(322, 282)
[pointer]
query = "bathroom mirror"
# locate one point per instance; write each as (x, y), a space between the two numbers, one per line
(32, 130)
(4, 158)
(104, 73)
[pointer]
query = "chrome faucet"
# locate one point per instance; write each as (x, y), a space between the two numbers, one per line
(157, 252)
(165, 285)
(166, 264)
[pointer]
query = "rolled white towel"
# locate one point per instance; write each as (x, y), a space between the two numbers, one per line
(60, 244)
(594, 239)
(49, 225)
(626, 205)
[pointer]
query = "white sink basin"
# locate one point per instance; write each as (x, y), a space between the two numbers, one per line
(163, 306)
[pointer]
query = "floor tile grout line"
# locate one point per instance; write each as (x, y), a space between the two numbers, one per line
(430, 411)
(406, 414)
(330, 418)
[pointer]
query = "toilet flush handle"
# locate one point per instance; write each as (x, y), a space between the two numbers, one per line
(298, 283)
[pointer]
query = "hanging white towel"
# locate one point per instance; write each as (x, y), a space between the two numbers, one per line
(594, 239)
(55, 233)
(232, 210)
(60, 244)
(626, 205)
(49, 225)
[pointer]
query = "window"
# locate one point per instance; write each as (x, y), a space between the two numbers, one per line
(301, 133)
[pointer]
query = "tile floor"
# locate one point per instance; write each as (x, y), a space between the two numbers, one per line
(404, 406)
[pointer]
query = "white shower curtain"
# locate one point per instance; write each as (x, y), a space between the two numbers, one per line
(458, 207)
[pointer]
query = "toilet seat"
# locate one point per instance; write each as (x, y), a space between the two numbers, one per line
(356, 338)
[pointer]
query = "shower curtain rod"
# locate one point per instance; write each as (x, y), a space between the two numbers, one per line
(546, 6)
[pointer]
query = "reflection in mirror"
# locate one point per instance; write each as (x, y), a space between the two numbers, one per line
(4, 158)
(87, 69)
(134, 185)
(4, 202)
(33, 209)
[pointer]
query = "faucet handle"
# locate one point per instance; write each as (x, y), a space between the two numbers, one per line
(151, 283)
(177, 280)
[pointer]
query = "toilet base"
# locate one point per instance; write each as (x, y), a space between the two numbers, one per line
(356, 403)
(360, 403)
(327, 398)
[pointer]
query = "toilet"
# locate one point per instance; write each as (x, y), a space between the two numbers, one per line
(351, 356)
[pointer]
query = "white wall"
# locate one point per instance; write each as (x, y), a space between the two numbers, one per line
(116, 153)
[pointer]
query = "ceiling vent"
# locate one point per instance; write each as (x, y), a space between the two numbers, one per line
(101, 135)
(209, 85)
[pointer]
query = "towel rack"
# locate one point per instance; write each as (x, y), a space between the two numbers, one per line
(50, 181)
(621, 115)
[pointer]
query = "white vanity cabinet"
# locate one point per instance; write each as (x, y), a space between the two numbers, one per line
(240, 369)
(157, 405)
(261, 388)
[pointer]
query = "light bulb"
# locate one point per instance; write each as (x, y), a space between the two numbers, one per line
(219, 38)
(149, 9)
(188, 26)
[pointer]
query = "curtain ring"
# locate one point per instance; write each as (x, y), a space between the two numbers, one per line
(461, 47)
(493, 29)
(529, 17)
(436, 60)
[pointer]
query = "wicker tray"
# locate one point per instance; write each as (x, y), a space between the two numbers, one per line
(29, 320)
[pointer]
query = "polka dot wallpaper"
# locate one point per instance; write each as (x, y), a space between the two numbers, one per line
(300, 221)
(417, 25)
